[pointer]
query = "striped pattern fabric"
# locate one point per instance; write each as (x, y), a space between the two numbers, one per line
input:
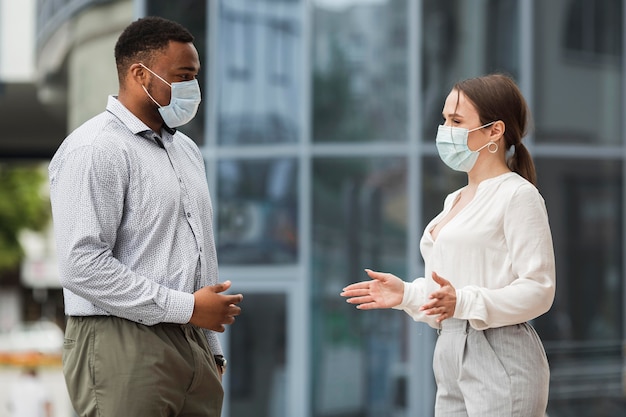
(498, 372)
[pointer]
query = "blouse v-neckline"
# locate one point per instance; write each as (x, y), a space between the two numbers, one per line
(447, 212)
(464, 208)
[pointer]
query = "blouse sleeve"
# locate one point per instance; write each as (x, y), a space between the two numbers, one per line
(414, 297)
(529, 245)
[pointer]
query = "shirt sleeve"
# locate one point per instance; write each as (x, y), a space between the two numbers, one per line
(87, 193)
(414, 297)
(532, 288)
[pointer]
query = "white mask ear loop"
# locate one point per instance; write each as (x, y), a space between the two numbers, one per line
(146, 90)
(161, 78)
(149, 95)
(471, 130)
(491, 146)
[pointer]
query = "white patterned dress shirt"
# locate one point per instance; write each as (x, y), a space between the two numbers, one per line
(132, 221)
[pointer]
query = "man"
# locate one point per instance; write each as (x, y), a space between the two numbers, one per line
(132, 217)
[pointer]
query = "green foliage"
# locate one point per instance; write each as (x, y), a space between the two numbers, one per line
(334, 105)
(23, 205)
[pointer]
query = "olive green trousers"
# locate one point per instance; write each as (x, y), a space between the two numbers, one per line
(115, 367)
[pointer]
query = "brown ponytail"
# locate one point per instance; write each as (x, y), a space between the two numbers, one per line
(522, 163)
(497, 97)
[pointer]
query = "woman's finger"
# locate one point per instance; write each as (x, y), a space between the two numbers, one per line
(354, 292)
(358, 285)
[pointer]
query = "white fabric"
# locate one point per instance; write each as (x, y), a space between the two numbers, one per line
(132, 221)
(497, 252)
(28, 397)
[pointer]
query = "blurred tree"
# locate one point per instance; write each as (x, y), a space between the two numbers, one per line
(333, 103)
(23, 205)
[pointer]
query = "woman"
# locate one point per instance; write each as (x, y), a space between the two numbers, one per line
(489, 262)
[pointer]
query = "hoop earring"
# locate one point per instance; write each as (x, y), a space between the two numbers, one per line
(490, 148)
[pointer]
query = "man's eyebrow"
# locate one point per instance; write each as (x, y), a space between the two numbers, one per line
(190, 69)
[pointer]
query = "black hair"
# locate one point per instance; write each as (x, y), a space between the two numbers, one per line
(143, 38)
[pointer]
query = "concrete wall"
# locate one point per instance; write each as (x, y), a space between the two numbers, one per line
(92, 75)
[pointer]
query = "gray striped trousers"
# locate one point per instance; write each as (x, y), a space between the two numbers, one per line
(500, 372)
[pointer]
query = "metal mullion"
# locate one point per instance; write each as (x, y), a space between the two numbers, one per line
(336, 150)
(420, 387)
(299, 371)
(139, 8)
(623, 214)
(566, 151)
(526, 36)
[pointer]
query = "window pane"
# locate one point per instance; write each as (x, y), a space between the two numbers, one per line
(259, 77)
(360, 70)
(578, 72)
(583, 331)
(463, 39)
(257, 215)
(257, 373)
(502, 39)
(359, 221)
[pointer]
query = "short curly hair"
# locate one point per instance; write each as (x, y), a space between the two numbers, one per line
(145, 36)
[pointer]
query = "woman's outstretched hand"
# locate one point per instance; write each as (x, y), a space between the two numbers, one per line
(384, 290)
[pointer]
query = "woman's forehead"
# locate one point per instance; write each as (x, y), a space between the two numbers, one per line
(458, 103)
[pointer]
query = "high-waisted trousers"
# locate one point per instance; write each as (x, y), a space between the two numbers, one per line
(499, 372)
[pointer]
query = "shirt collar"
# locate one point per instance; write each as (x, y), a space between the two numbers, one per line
(133, 123)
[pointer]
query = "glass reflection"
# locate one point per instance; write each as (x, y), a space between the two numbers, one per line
(360, 74)
(450, 54)
(579, 72)
(257, 214)
(257, 373)
(259, 72)
(583, 331)
(359, 221)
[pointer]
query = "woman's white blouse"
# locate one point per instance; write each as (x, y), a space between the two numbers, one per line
(497, 252)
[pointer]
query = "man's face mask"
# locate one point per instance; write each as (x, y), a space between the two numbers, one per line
(453, 150)
(184, 101)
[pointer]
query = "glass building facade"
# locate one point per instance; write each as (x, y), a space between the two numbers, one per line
(318, 126)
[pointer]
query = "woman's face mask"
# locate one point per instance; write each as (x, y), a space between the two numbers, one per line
(184, 101)
(453, 150)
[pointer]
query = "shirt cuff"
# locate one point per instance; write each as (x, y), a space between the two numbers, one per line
(459, 309)
(180, 307)
(406, 297)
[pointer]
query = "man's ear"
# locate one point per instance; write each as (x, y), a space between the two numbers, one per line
(497, 130)
(137, 72)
